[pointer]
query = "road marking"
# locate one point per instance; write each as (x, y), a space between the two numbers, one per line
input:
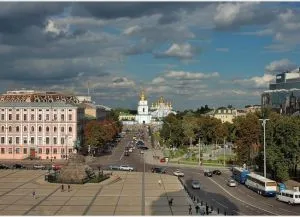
(267, 204)
(240, 199)
(289, 211)
(250, 196)
(221, 204)
(122, 156)
(238, 212)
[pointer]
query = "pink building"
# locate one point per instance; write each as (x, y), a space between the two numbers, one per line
(39, 129)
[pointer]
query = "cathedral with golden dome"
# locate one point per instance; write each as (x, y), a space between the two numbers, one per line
(158, 110)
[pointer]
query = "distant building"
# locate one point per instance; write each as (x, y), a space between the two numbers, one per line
(45, 130)
(161, 108)
(224, 114)
(252, 108)
(143, 115)
(283, 96)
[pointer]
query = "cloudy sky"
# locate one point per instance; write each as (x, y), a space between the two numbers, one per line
(192, 53)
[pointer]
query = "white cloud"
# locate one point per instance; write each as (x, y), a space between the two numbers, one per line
(190, 75)
(256, 81)
(280, 66)
(131, 30)
(122, 82)
(182, 51)
(51, 27)
(158, 80)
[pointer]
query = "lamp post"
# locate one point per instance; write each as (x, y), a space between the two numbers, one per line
(143, 186)
(264, 121)
(224, 151)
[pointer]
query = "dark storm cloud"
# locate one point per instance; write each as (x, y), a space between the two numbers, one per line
(112, 10)
(17, 16)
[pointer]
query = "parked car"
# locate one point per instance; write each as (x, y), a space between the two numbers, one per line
(19, 166)
(163, 160)
(130, 150)
(114, 167)
(178, 173)
(39, 167)
(143, 148)
(207, 173)
(126, 168)
(158, 170)
(217, 172)
(4, 167)
(56, 167)
(231, 183)
(195, 184)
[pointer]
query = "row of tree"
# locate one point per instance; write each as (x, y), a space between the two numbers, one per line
(246, 132)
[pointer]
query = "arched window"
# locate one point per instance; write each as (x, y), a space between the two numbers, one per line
(40, 129)
(70, 129)
(17, 128)
(62, 129)
(9, 128)
(47, 129)
(2, 128)
(54, 129)
(32, 129)
(25, 128)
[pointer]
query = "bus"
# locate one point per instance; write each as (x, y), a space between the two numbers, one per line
(261, 185)
(240, 174)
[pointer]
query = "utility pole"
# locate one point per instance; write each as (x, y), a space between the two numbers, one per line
(224, 151)
(199, 152)
(264, 121)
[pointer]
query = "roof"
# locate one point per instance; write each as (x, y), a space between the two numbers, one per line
(36, 104)
(259, 177)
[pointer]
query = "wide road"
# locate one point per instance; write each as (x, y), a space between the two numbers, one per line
(214, 191)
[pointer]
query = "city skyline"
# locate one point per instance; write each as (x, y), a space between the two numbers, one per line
(191, 53)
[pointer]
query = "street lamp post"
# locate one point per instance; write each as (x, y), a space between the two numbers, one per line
(264, 121)
(224, 151)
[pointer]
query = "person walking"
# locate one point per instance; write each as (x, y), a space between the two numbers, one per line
(159, 182)
(33, 194)
(69, 188)
(190, 210)
(62, 188)
(197, 209)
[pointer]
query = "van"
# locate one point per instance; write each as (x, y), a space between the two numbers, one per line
(289, 196)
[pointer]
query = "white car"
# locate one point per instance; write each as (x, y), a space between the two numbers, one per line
(130, 150)
(126, 168)
(231, 183)
(39, 167)
(195, 184)
(178, 173)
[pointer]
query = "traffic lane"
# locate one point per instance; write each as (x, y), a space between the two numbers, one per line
(215, 196)
(252, 196)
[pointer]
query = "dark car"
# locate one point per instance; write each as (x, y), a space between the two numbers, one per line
(207, 173)
(19, 166)
(143, 147)
(217, 172)
(158, 170)
(126, 153)
(4, 167)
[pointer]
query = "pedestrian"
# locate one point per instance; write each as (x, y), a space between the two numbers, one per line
(190, 210)
(62, 188)
(197, 209)
(159, 182)
(171, 202)
(33, 194)
(69, 188)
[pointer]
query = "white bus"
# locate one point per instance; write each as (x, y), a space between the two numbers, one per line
(289, 196)
(261, 185)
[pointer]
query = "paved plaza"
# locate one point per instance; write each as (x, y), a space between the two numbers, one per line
(123, 197)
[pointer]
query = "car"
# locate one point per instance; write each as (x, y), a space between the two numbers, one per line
(195, 184)
(126, 168)
(56, 167)
(231, 183)
(3, 166)
(114, 167)
(207, 173)
(18, 166)
(158, 170)
(39, 167)
(130, 150)
(143, 147)
(178, 173)
(217, 172)
(126, 153)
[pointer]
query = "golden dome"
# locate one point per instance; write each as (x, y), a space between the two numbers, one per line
(142, 96)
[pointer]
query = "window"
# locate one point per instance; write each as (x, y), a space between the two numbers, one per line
(17, 117)
(40, 110)
(2, 129)
(54, 140)
(70, 117)
(47, 117)
(62, 117)
(25, 140)
(55, 117)
(62, 129)
(2, 150)
(32, 140)
(47, 150)
(32, 110)
(40, 129)
(70, 129)
(25, 128)
(47, 129)
(17, 129)
(40, 151)
(17, 140)
(62, 140)
(62, 150)
(47, 140)
(24, 150)
(32, 117)
(40, 117)
(10, 117)
(25, 110)
(32, 128)
(25, 117)
(55, 129)
(70, 150)
(10, 140)
(10, 151)
(17, 150)
(62, 110)
(2, 117)
(9, 128)
(40, 140)
(2, 140)
(54, 150)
